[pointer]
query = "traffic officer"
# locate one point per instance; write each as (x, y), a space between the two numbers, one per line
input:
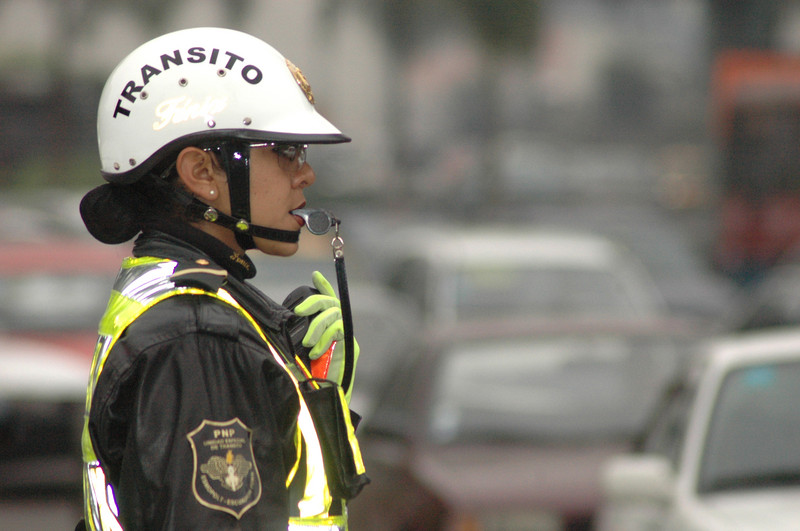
(201, 411)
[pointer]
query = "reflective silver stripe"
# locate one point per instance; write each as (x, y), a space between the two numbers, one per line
(103, 505)
(148, 283)
(143, 285)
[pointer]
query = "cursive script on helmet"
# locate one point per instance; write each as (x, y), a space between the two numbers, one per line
(183, 109)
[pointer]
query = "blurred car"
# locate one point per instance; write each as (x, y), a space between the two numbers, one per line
(491, 272)
(52, 295)
(42, 392)
(56, 290)
(670, 249)
(41, 215)
(543, 355)
(723, 453)
(507, 432)
(690, 287)
(770, 302)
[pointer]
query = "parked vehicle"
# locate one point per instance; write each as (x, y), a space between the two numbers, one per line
(770, 302)
(722, 454)
(52, 295)
(542, 356)
(474, 273)
(56, 290)
(672, 250)
(42, 392)
(507, 432)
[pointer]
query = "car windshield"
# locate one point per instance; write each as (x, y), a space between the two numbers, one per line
(514, 292)
(754, 436)
(48, 301)
(563, 389)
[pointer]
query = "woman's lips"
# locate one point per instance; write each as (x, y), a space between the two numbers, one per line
(300, 220)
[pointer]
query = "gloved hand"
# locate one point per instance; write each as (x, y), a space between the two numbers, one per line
(326, 328)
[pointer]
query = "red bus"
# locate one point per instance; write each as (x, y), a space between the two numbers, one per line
(756, 110)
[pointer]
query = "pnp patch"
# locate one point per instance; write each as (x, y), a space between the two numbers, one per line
(225, 476)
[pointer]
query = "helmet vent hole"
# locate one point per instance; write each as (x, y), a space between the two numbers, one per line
(212, 123)
(116, 165)
(221, 72)
(247, 121)
(143, 95)
(132, 162)
(183, 82)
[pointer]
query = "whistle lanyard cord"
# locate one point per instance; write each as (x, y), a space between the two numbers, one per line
(347, 314)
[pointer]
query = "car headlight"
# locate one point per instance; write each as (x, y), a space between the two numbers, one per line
(511, 520)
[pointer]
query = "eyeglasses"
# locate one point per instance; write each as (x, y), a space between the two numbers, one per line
(291, 157)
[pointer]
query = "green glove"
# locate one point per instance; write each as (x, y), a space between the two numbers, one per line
(336, 367)
(326, 328)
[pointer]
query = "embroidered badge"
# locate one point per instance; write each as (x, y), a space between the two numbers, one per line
(225, 476)
(301, 80)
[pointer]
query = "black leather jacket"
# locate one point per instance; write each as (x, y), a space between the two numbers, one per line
(185, 360)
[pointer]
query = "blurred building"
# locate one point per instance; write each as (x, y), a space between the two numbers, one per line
(609, 101)
(56, 55)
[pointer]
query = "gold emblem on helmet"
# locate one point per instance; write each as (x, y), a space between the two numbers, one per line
(301, 81)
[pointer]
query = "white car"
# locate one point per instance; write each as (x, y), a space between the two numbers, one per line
(468, 274)
(725, 452)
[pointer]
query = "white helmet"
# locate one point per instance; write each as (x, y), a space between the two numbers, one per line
(196, 84)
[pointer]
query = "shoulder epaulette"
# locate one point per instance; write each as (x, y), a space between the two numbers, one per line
(199, 274)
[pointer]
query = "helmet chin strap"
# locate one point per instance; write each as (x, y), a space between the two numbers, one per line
(241, 228)
(235, 159)
(236, 162)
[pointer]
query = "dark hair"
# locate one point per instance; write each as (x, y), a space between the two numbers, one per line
(115, 213)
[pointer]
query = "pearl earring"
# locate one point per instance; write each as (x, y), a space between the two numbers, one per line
(212, 192)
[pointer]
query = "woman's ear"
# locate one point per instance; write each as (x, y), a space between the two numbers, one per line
(198, 172)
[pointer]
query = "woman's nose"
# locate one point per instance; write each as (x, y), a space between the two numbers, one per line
(305, 176)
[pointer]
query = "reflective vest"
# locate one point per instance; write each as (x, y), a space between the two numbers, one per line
(141, 283)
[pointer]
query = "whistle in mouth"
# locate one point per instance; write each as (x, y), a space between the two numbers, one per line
(317, 221)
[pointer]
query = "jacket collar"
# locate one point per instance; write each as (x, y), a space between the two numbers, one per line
(183, 242)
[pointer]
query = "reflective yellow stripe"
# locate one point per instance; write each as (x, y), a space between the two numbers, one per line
(327, 523)
(134, 261)
(317, 498)
(351, 436)
(121, 311)
(100, 505)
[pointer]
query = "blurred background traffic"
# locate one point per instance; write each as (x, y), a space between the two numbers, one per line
(550, 209)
